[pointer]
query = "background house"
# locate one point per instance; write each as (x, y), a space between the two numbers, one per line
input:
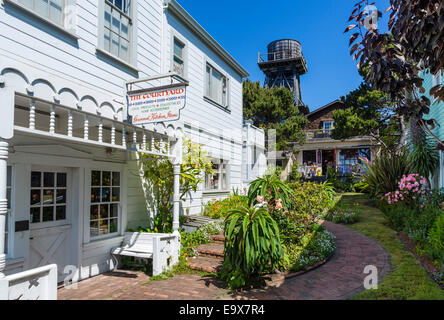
(321, 152)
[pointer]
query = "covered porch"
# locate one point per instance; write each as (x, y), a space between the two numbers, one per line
(71, 181)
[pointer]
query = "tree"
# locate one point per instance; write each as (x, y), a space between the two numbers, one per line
(369, 113)
(414, 43)
(274, 108)
(159, 173)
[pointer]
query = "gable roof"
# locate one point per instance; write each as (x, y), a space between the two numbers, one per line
(331, 104)
(196, 28)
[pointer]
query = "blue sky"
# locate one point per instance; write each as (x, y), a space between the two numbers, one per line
(245, 27)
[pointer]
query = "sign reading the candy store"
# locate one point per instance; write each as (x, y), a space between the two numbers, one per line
(156, 105)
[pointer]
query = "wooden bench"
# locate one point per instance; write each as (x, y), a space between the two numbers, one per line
(162, 248)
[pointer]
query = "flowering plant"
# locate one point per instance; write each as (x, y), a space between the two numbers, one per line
(413, 191)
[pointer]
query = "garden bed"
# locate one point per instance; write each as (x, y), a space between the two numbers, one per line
(426, 262)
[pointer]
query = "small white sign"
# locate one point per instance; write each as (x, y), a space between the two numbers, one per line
(159, 105)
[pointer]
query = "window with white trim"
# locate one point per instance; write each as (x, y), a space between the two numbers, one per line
(105, 203)
(48, 9)
(48, 196)
(179, 57)
(216, 86)
(117, 28)
(9, 198)
(328, 126)
(219, 179)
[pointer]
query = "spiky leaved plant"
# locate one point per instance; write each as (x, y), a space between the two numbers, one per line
(252, 245)
(271, 188)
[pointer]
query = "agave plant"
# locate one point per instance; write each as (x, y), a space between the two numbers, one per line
(383, 174)
(252, 244)
(270, 187)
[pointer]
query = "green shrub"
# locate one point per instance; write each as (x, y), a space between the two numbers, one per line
(435, 246)
(217, 209)
(384, 173)
(271, 188)
(398, 215)
(252, 245)
(312, 198)
(418, 225)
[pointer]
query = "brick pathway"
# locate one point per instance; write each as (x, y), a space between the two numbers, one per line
(340, 278)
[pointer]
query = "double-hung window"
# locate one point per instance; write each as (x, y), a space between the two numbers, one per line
(117, 28)
(51, 10)
(9, 198)
(179, 57)
(216, 86)
(105, 203)
(328, 126)
(219, 179)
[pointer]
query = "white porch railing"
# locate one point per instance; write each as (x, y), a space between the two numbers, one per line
(35, 284)
(44, 118)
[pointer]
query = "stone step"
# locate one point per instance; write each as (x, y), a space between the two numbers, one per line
(217, 238)
(205, 263)
(214, 249)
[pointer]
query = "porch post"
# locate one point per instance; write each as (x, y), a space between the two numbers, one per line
(177, 151)
(3, 202)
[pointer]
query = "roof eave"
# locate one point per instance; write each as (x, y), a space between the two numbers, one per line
(190, 22)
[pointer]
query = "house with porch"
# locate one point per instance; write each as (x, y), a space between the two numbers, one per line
(71, 182)
(320, 152)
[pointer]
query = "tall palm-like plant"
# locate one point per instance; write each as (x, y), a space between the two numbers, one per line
(270, 187)
(252, 244)
(424, 159)
(384, 173)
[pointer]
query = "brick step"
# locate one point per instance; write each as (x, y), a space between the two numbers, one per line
(205, 263)
(214, 249)
(217, 238)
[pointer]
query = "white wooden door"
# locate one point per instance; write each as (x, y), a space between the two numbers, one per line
(50, 218)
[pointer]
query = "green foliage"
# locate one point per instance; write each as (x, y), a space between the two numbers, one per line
(271, 188)
(398, 215)
(252, 245)
(158, 172)
(312, 198)
(219, 209)
(314, 247)
(435, 246)
(384, 173)
(418, 224)
(343, 214)
(368, 112)
(424, 158)
(274, 109)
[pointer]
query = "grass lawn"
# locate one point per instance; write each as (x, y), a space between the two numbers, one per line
(408, 279)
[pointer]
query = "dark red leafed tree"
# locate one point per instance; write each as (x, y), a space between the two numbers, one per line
(394, 59)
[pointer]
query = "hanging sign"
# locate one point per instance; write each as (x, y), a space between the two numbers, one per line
(156, 105)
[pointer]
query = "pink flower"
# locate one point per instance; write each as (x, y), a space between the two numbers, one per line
(279, 204)
(260, 199)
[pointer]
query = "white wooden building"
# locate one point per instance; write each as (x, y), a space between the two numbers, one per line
(67, 163)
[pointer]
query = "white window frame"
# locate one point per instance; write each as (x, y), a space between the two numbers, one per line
(89, 204)
(69, 16)
(176, 37)
(207, 85)
(331, 122)
(220, 163)
(68, 203)
(131, 63)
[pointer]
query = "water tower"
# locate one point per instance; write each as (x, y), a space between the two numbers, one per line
(283, 65)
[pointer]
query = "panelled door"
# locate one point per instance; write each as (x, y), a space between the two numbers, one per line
(50, 218)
